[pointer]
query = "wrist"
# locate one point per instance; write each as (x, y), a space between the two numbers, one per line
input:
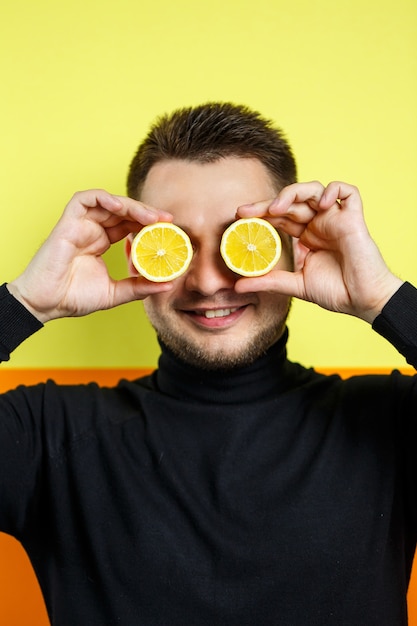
(386, 292)
(16, 292)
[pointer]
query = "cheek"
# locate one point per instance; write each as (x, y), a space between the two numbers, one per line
(156, 305)
(150, 304)
(273, 305)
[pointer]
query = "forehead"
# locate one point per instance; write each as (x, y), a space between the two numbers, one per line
(191, 190)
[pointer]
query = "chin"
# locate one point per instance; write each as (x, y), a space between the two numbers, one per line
(221, 357)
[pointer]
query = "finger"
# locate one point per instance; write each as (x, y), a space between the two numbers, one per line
(346, 195)
(81, 201)
(293, 225)
(143, 213)
(254, 209)
(122, 229)
(290, 220)
(101, 205)
(297, 193)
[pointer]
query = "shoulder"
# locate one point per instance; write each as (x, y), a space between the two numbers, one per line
(62, 414)
(380, 393)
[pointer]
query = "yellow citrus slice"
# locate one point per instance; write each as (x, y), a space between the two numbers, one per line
(161, 252)
(250, 246)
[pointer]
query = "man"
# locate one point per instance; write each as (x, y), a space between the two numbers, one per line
(231, 487)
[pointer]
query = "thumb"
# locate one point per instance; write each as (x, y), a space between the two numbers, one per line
(277, 281)
(136, 288)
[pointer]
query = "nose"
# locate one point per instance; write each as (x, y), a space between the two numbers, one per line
(208, 273)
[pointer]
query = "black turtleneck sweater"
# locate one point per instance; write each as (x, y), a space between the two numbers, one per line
(270, 495)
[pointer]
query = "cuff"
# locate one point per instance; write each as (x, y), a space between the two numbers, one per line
(397, 322)
(16, 323)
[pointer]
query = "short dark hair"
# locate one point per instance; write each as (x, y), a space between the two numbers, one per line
(209, 132)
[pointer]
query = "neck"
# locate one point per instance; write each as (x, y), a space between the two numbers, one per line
(239, 385)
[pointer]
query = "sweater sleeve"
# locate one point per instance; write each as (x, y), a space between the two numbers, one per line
(16, 323)
(397, 322)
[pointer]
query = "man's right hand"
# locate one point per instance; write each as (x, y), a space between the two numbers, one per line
(68, 277)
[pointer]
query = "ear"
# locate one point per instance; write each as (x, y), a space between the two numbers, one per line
(300, 253)
(128, 248)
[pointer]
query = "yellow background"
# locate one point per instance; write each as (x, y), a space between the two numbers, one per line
(81, 81)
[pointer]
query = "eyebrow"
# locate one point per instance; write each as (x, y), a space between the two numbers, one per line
(222, 227)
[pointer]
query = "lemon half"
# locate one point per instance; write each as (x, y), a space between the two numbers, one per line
(161, 252)
(250, 246)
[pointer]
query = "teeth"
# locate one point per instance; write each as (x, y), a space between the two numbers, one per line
(219, 312)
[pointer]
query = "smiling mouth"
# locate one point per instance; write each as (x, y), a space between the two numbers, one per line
(216, 316)
(210, 313)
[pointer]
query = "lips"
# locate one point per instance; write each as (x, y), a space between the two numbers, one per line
(215, 319)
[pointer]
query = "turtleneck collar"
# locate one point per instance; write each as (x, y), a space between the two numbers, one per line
(262, 378)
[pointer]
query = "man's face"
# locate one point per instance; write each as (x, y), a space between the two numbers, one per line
(202, 319)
